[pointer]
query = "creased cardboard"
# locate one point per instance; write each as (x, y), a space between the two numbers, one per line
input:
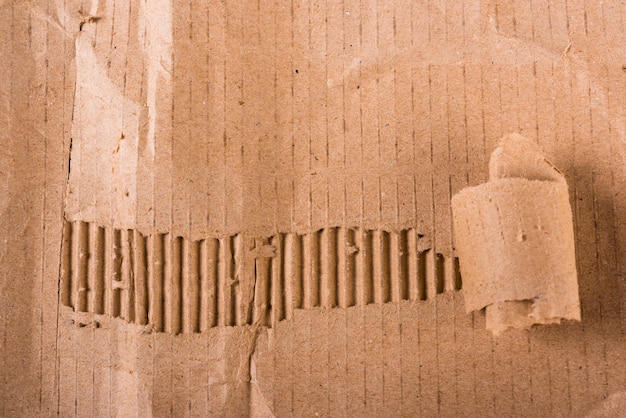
(342, 127)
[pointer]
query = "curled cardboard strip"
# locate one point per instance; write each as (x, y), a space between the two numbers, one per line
(515, 240)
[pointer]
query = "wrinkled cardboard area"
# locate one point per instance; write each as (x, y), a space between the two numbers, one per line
(551, 72)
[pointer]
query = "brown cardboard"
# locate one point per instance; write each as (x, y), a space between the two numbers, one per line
(176, 285)
(515, 240)
(280, 120)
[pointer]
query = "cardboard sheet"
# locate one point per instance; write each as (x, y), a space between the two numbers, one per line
(321, 143)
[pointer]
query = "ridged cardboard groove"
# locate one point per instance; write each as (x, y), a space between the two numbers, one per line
(176, 285)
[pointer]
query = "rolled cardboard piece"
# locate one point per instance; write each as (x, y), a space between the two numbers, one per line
(515, 241)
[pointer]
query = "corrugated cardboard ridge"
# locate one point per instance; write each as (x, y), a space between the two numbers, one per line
(177, 285)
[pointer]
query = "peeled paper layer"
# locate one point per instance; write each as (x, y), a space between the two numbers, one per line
(515, 241)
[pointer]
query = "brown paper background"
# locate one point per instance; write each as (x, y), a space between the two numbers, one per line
(439, 83)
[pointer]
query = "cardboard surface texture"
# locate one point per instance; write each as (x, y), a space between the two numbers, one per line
(515, 240)
(244, 208)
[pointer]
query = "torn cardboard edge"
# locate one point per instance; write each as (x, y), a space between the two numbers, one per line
(515, 240)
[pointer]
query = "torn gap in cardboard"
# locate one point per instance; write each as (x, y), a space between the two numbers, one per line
(147, 279)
